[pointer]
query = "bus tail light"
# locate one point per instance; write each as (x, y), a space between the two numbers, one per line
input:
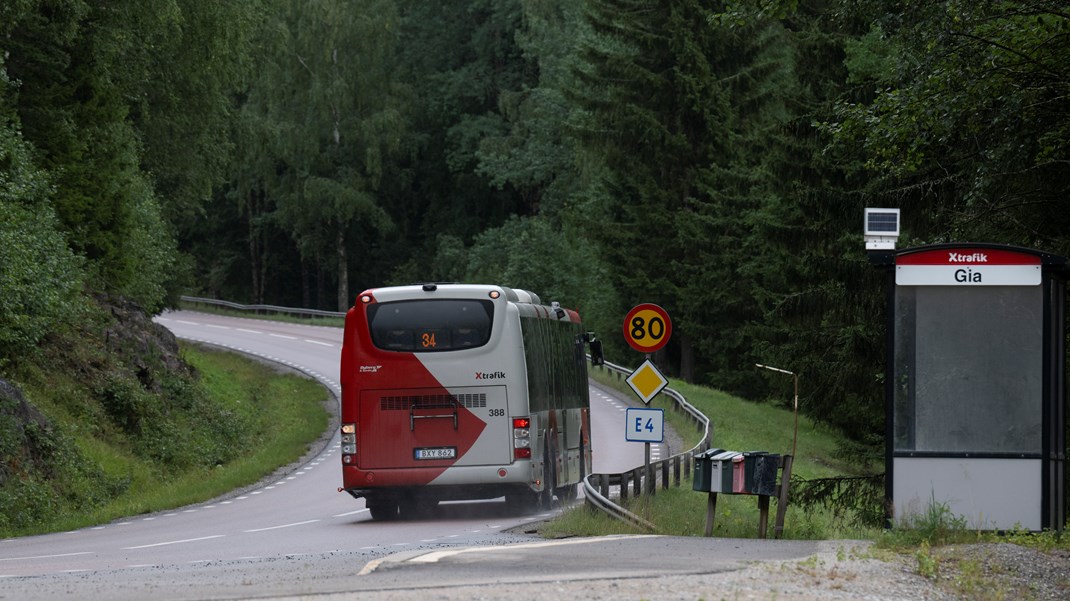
(349, 443)
(521, 438)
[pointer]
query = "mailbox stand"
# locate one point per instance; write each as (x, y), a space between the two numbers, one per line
(747, 474)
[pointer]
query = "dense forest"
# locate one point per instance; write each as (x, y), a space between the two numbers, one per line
(713, 157)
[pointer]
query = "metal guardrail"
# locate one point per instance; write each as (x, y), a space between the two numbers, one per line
(596, 486)
(596, 492)
(261, 308)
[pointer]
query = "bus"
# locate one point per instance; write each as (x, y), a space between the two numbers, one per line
(458, 391)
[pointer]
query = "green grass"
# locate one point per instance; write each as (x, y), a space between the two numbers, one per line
(737, 425)
(741, 425)
(930, 538)
(283, 414)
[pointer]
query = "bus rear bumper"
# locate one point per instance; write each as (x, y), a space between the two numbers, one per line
(517, 475)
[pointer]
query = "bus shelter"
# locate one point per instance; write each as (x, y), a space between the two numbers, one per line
(975, 390)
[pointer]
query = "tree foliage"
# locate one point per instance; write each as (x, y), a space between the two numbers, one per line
(39, 277)
(969, 105)
(714, 158)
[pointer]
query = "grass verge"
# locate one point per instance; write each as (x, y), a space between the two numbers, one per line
(281, 414)
(737, 425)
(937, 542)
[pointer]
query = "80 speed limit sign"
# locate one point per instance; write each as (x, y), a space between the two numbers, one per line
(647, 328)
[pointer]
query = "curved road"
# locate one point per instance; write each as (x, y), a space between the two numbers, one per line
(294, 534)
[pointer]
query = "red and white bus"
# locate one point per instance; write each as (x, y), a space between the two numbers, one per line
(454, 391)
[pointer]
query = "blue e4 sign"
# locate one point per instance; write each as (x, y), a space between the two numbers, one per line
(644, 425)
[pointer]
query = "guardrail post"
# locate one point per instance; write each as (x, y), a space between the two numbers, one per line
(624, 486)
(637, 479)
(603, 485)
(676, 471)
(665, 474)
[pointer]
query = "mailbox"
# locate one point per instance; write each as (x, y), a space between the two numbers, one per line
(721, 471)
(765, 469)
(713, 471)
(701, 479)
(751, 473)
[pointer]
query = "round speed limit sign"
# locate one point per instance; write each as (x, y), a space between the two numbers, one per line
(647, 328)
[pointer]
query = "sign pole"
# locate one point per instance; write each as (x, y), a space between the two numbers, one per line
(646, 456)
(649, 473)
(646, 329)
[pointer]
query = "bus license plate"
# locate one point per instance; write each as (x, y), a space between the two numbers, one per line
(435, 453)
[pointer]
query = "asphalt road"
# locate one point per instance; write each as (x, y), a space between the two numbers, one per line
(292, 534)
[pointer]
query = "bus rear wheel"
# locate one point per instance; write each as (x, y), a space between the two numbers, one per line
(383, 509)
(417, 508)
(524, 501)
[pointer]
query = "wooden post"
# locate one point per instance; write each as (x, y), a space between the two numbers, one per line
(711, 507)
(665, 474)
(637, 479)
(763, 515)
(782, 498)
(603, 484)
(624, 486)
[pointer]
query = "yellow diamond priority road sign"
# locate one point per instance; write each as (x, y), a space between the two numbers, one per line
(647, 381)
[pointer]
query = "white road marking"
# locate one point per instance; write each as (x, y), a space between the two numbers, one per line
(283, 336)
(46, 556)
(174, 542)
(319, 343)
(249, 331)
(343, 515)
(212, 325)
(435, 556)
(282, 526)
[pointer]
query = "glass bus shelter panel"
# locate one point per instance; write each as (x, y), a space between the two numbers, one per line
(968, 369)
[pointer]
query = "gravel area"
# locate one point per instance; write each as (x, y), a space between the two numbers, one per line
(841, 570)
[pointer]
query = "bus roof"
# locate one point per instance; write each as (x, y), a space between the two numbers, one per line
(390, 293)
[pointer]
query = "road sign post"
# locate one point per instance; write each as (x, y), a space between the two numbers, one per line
(647, 328)
(647, 426)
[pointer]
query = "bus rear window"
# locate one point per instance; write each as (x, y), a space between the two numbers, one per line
(430, 325)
